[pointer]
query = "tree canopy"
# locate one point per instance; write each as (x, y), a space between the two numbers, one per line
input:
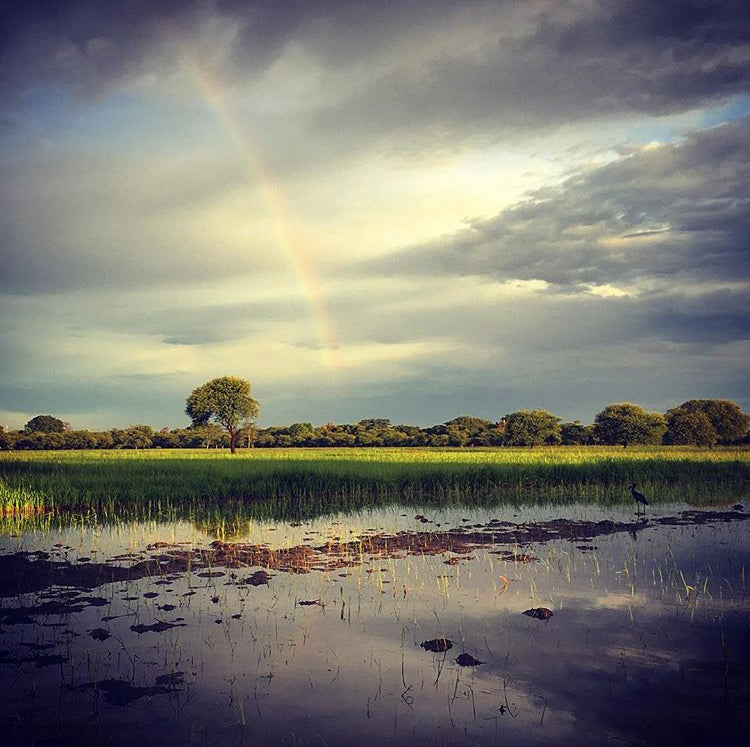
(576, 434)
(726, 417)
(625, 423)
(137, 437)
(685, 428)
(225, 401)
(692, 423)
(532, 428)
(45, 424)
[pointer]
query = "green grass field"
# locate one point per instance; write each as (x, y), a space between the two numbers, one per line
(285, 482)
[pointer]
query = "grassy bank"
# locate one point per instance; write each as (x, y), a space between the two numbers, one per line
(292, 479)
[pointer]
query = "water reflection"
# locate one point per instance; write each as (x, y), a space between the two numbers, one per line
(251, 631)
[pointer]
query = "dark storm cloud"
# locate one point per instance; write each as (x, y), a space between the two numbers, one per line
(603, 60)
(522, 326)
(497, 70)
(677, 211)
(91, 45)
(498, 66)
(708, 318)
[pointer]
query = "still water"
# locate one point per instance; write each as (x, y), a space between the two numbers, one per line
(386, 626)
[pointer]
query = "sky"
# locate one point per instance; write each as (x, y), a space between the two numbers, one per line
(412, 210)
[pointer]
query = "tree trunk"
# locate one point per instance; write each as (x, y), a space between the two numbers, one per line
(232, 440)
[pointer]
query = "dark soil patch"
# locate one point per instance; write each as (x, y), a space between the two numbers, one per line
(121, 693)
(25, 572)
(259, 578)
(539, 613)
(38, 660)
(467, 660)
(157, 627)
(19, 615)
(45, 660)
(437, 645)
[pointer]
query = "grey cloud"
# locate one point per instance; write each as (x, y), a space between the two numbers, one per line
(708, 319)
(89, 45)
(678, 211)
(569, 354)
(49, 266)
(142, 399)
(198, 338)
(528, 65)
(310, 344)
(572, 65)
(542, 323)
(206, 324)
(575, 385)
(660, 219)
(71, 222)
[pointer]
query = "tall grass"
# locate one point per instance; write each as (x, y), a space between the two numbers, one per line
(297, 482)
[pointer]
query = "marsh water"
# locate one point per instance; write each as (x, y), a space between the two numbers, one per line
(390, 625)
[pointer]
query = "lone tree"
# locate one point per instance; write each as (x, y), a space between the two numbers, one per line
(46, 424)
(625, 423)
(532, 428)
(225, 401)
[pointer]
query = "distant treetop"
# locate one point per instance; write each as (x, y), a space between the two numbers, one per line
(46, 424)
(625, 423)
(532, 428)
(223, 414)
(726, 417)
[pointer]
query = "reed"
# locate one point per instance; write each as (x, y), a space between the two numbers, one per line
(300, 483)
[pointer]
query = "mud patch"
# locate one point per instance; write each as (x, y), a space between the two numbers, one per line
(259, 578)
(157, 627)
(24, 572)
(539, 613)
(23, 615)
(121, 693)
(467, 660)
(437, 645)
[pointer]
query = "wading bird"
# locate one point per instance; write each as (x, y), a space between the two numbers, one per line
(639, 499)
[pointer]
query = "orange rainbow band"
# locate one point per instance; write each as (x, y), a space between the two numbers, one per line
(299, 259)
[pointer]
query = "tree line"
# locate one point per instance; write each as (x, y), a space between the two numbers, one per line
(224, 420)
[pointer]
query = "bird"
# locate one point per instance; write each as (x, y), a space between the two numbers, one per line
(639, 498)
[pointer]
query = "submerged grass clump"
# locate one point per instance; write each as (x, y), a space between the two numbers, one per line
(289, 483)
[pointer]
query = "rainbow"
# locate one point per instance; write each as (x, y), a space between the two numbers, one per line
(299, 258)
